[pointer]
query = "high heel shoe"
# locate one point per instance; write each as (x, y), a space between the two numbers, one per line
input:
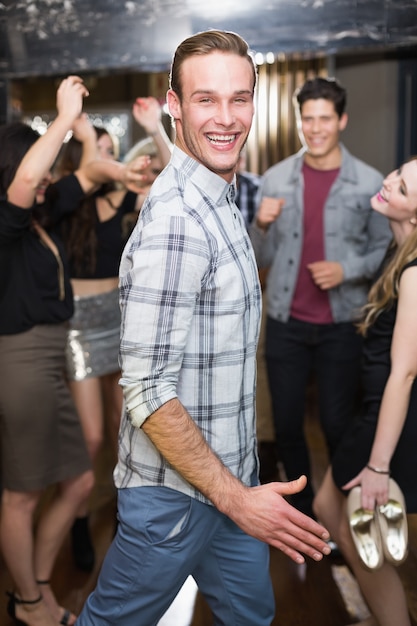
(365, 531)
(11, 606)
(66, 613)
(393, 525)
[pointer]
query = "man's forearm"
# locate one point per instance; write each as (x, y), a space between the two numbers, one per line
(180, 441)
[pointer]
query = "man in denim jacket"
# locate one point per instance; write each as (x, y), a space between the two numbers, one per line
(317, 233)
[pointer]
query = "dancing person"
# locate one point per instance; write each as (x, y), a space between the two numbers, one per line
(157, 145)
(316, 232)
(81, 148)
(107, 144)
(93, 234)
(189, 499)
(42, 443)
(148, 114)
(383, 438)
(41, 438)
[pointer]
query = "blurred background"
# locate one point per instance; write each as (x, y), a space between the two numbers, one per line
(123, 50)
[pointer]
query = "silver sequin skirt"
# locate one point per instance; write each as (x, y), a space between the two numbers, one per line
(94, 336)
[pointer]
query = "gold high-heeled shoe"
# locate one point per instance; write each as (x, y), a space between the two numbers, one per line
(365, 531)
(393, 526)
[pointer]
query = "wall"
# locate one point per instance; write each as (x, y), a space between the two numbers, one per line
(371, 133)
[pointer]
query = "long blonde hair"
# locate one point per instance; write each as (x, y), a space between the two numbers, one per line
(384, 291)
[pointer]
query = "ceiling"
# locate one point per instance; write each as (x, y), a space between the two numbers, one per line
(53, 37)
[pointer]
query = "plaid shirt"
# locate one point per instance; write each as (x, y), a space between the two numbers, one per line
(190, 301)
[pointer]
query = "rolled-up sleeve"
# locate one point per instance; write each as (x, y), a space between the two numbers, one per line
(161, 278)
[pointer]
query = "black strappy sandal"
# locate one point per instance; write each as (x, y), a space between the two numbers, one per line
(66, 615)
(13, 602)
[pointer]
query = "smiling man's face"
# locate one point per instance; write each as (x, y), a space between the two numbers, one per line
(214, 116)
(321, 128)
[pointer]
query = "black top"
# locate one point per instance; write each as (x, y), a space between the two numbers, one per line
(110, 243)
(353, 453)
(29, 285)
(247, 185)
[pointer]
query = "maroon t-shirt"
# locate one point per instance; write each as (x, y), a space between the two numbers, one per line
(311, 304)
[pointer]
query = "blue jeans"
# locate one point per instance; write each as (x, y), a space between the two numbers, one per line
(293, 351)
(163, 537)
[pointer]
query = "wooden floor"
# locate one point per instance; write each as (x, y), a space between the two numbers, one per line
(316, 594)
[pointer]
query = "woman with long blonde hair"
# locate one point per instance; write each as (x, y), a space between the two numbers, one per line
(383, 439)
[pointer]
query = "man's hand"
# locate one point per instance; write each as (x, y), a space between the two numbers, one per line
(268, 211)
(265, 514)
(326, 274)
(259, 511)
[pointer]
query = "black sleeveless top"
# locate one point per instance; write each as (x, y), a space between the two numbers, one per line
(353, 452)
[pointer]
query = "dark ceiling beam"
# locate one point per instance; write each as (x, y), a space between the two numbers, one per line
(65, 36)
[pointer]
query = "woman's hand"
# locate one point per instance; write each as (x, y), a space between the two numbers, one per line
(374, 488)
(38, 160)
(147, 113)
(133, 177)
(69, 98)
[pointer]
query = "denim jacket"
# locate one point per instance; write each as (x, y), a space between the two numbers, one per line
(355, 235)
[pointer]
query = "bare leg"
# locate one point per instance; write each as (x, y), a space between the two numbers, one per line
(88, 401)
(382, 588)
(16, 532)
(53, 527)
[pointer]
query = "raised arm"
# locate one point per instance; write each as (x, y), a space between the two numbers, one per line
(39, 159)
(85, 133)
(95, 173)
(147, 113)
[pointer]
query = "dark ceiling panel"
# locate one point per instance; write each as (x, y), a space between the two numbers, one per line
(51, 37)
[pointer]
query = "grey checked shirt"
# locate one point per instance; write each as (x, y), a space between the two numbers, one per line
(191, 305)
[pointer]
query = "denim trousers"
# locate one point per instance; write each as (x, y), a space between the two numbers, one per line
(294, 352)
(163, 537)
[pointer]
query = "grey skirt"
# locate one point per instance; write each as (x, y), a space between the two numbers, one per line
(41, 440)
(94, 336)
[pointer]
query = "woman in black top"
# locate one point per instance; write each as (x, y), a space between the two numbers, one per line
(94, 234)
(41, 438)
(383, 439)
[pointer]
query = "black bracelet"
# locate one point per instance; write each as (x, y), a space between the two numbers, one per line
(377, 470)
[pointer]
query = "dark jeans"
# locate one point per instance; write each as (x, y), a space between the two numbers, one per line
(293, 351)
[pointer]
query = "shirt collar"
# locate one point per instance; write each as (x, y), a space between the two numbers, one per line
(211, 184)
